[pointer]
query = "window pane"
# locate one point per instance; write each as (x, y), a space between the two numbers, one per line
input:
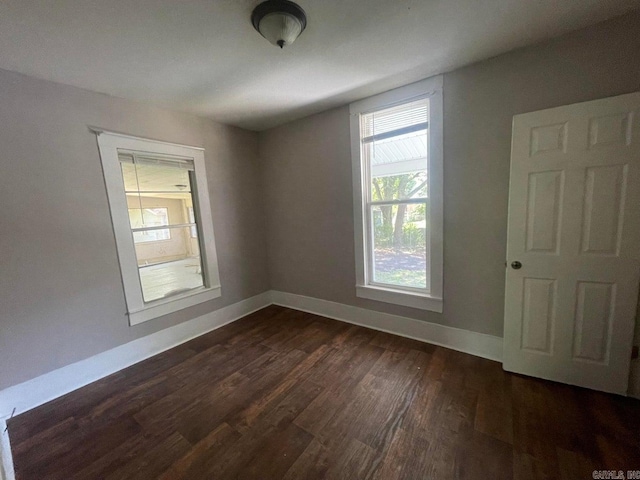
(398, 166)
(159, 194)
(407, 151)
(399, 187)
(143, 174)
(400, 245)
(169, 267)
(159, 209)
(192, 219)
(148, 217)
(399, 117)
(153, 217)
(152, 236)
(178, 246)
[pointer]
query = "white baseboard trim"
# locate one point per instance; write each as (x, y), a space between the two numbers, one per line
(6, 462)
(478, 344)
(49, 386)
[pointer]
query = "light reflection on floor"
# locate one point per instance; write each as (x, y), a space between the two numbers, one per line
(163, 279)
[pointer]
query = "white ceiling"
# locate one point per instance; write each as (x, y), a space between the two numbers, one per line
(204, 56)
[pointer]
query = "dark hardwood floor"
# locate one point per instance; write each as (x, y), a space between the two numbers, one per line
(285, 394)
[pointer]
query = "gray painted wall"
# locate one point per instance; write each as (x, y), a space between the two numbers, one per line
(61, 297)
(307, 173)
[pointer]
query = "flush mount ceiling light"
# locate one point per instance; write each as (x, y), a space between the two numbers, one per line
(279, 21)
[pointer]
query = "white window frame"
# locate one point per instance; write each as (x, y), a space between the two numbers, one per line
(365, 287)
(109, 143)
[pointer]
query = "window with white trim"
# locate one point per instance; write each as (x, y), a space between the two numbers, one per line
(161, 214)
(397, 168)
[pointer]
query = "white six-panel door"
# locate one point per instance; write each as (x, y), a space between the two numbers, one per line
(574, 226)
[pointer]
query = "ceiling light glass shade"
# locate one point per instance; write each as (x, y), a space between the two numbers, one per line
(279, 21)
(280, 28)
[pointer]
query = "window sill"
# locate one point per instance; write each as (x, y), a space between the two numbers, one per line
(407, 299)
(173, 304)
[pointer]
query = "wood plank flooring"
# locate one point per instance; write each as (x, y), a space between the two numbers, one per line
(286, 394)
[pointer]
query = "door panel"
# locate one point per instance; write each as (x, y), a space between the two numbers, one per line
(574, 226)
(605, 193)
(543, 211)
(610, 130)
(539, 309)
(593, 321)
(548, 138)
